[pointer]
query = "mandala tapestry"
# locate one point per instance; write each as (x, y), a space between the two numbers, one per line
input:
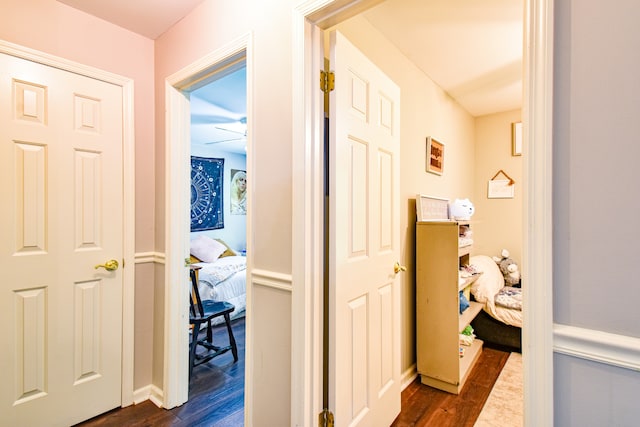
(206, 193)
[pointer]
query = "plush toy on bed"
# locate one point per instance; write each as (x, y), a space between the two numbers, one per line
(509, 269)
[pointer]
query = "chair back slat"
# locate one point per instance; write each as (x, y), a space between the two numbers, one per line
(195, 300)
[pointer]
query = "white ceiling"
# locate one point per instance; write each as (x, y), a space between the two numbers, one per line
(218, 113)
(472, 49)
(149, 18)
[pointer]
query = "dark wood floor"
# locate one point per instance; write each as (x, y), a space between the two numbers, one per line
(426, 406)
(216, 397)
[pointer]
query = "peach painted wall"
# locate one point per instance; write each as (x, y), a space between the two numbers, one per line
(51, 27)
(497, 222)
(209, 27)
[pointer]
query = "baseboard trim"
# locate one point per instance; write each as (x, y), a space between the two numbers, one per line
(602, 347)
(272, 279)
(409, 376)
(147, 257)
(148, 392)
(141, 394)
(157, 396)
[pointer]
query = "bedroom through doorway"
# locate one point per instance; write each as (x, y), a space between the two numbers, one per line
(438, 186)
(218, 234)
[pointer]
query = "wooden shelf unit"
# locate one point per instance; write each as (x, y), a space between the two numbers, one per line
(438, 318)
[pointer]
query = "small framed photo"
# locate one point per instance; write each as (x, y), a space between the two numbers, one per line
(435, 156)
(430, 208)
(516, 139)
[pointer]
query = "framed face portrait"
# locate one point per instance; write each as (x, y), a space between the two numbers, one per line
(238, 192)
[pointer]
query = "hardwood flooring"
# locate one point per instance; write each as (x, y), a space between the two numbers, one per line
(427, 406)
(216, 397)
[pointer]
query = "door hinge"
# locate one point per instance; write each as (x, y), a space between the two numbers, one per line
(325, 418)
(327, 81)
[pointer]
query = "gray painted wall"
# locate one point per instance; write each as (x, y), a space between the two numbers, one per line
(594, 394)
(596, 189)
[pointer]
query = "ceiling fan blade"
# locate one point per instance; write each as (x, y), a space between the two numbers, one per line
(224, 140)
(211, 118)
(205, 112)
(231, 130)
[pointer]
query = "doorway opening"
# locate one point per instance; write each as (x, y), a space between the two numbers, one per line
(209, 119)
(466, 134)
(312, 19)
(218, 165)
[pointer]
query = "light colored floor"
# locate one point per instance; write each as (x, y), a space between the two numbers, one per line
(505, 407)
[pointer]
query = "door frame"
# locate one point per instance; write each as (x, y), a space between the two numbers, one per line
(128, 175)
(177, 208)
(310, 17)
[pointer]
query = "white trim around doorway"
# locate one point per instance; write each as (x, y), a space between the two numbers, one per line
(177, 208)
(307, 384)
(537, 339)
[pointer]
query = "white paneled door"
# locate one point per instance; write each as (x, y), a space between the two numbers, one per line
(62, 197)
(364, 322)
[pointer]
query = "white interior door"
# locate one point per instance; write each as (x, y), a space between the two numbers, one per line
(364, 324)
(61, 147)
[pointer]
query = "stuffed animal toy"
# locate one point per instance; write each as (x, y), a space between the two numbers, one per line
(509, 269)
(461, 209)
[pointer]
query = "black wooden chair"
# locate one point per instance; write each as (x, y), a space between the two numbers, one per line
(201, 313)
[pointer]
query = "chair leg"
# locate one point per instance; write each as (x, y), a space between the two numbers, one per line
(209, 332)
(192, 346)
(232, 339)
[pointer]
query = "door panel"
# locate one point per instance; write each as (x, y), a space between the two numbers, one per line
(364, 322)
(61, 143)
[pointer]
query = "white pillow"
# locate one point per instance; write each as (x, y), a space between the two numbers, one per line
(206, 249)
(490, 281)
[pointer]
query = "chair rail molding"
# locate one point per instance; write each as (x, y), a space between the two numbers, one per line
(271, 279)
(621, 351)
(147, 257)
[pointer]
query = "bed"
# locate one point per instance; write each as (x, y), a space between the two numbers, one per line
(499, 324)
(222, 276)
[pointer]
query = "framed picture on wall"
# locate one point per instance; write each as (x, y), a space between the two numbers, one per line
(500, 189)
(435, 156)
(516, 139)
(238, 186)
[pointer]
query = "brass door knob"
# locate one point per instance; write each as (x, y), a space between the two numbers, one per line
(110, 265)
(397, 268)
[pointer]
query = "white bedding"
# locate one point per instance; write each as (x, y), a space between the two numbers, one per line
(225, 280)
(506, 315)
(487, 287)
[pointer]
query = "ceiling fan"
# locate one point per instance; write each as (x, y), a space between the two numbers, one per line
(238, 127)
(213, 124)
